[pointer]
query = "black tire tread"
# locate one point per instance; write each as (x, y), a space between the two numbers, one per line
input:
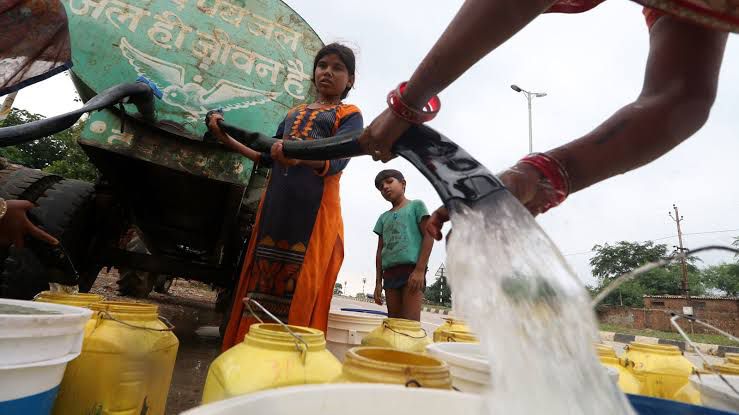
(24, 183)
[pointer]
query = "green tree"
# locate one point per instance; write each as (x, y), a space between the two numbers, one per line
(75, 164)
(37, 154)
(611, 261)
(439, 292)
(59, 153)
(723, 277)
(338, 289)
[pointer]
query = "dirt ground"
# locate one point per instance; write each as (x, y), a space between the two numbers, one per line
(189, 306)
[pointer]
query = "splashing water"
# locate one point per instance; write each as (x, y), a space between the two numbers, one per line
(531, 313)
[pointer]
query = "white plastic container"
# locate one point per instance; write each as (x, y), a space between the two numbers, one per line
(30, 338)
(468, 366)
(342, 399)
(715, 393)
(346, 329)
(31, 388)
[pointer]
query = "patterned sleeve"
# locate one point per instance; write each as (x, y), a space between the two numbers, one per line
(349, 118)
(420, 209)
(378, 226)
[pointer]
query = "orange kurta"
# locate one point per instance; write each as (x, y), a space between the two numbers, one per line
(297, 245)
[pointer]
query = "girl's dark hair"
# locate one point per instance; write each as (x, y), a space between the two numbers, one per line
(344, 53)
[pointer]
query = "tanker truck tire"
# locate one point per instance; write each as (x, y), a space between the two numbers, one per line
(18, 182)
(136, 284)
(66, 211)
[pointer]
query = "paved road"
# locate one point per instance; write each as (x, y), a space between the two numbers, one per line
(431, 321)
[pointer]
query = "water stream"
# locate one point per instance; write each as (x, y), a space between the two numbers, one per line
(532, 314)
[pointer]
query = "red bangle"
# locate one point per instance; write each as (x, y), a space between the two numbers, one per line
(403, 110)
(554, 173)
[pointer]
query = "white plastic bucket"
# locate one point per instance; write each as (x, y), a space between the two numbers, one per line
(715, 393)
(468, 366)
(346, 329)
(342, 399)
(31, 388)
(29, 338)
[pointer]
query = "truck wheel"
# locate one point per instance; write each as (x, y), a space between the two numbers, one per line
(136, 284)
(162, 284)
(18, 182)
(66, 211)
(23, 275)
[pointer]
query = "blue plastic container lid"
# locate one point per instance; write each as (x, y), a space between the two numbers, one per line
(644, 405)
(362, 310)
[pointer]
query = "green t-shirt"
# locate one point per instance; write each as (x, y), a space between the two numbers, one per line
(401, 235)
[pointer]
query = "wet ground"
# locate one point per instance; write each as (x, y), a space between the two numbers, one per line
(190, 306)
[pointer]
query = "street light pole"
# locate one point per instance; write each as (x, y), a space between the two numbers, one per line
(529, 97)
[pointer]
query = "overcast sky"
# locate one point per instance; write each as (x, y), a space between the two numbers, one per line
(589, 64)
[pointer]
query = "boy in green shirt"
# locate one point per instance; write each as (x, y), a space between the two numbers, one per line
(403, 249)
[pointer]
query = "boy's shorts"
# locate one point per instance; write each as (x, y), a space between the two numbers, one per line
(397, 277)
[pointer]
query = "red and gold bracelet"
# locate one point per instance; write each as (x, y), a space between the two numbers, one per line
(403, 110)
(554, 172)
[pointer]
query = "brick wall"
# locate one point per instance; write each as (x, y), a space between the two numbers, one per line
(723, 314)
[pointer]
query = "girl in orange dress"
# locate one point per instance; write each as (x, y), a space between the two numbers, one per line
(297, 245)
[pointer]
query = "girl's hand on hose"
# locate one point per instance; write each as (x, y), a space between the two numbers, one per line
(278, 155)
(377, 140)
(215, 129)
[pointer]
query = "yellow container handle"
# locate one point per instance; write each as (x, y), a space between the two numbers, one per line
(300, 345)
(387, 326)
(107, 316)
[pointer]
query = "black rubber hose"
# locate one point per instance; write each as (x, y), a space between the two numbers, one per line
(454, 173)
(140, 94)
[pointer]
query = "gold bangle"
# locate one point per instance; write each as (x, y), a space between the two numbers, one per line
(3, 208)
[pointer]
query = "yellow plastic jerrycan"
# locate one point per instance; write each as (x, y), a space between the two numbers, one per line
(731, 358)
(723, 368)
(76, 299)
(455, 336)
(385, 365)
(270, 357)
(627, 382)
(400, 334)
(450, 324)
(126, 364)
(661, 369)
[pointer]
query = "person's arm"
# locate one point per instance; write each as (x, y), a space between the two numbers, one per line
(479, 27)
(679, 88)
(680, 84)
(417, 278)
(378, 272)
(229, 141)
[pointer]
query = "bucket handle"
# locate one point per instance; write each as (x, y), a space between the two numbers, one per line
(387, 326)
(300, 345)
(107, 316)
